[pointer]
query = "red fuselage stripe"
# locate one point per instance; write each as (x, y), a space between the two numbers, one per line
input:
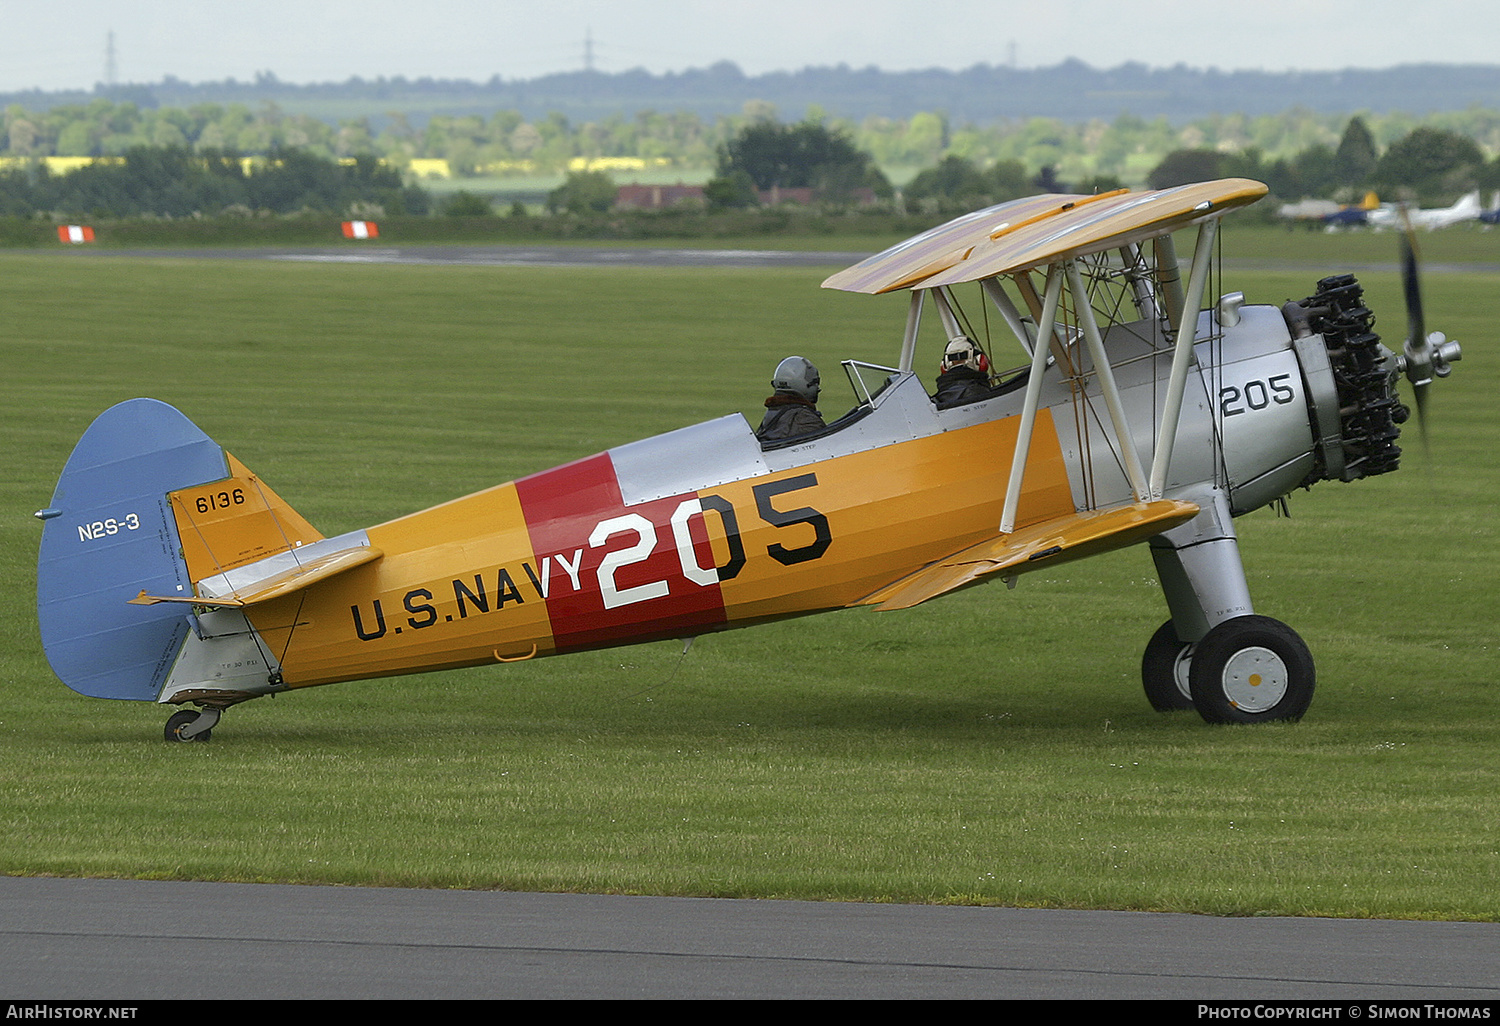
(610, 572)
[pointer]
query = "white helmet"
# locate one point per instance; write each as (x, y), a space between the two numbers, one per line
(798, 375)
(963, 352)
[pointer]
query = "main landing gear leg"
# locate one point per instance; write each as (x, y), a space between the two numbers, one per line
(187, 725)
(1215, 655)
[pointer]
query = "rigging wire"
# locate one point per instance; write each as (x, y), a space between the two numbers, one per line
(687, 643)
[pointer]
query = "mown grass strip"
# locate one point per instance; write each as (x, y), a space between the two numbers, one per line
(991, 747)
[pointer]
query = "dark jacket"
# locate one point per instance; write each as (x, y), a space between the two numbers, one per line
(959, 385)
(788, 416)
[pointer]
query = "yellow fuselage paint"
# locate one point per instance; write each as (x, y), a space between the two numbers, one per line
(557, 562)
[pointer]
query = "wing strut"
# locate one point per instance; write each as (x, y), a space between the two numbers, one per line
(1169, 280)
(951, 327)
(913, 323)
(1033, 400)
(1009, 313)
(1085, 314)
(1139, 277)
(1181, 356)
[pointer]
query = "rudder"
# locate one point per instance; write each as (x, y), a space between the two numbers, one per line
(116, 529)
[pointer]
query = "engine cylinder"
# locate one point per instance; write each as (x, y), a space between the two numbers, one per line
(1364, 373)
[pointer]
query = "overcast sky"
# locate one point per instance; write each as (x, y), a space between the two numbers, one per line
(61, 44)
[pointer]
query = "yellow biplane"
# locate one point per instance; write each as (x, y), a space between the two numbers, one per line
(170, 573)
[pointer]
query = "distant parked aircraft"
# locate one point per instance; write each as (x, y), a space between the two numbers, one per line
(1308, 210)
(1354, 213)
(1390, 214)
(1327, 212)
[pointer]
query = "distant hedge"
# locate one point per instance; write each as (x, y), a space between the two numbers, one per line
(173, 181)
(323, 229)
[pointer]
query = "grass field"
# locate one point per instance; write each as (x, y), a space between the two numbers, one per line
(991, 747)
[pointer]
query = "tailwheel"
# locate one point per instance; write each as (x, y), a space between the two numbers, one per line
(1251, 669)
(1164, 670)
(185, 725)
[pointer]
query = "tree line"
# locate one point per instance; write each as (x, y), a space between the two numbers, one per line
(173, 181)
(1429, 165)
(504, 142)
(1071, 91)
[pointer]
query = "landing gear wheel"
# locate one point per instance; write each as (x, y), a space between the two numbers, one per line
(181, 719)
(1251, 669)
(1164, 670)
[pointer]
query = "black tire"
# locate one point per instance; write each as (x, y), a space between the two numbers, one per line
(181, 719)
(1164, 670)
(1242, 656)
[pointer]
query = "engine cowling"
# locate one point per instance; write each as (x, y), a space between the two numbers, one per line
(1351, 383)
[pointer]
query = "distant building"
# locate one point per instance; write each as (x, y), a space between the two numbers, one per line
(663, 197)
(775, 196)
(806, 197)
(658, 197)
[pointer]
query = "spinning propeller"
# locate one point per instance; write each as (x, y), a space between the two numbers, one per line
(1425, 356)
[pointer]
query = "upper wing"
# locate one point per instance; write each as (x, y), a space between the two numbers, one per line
(937, 249)
(1043, 544)
(1040, 230)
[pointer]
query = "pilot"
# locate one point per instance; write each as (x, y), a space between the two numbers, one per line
(964, 374)
(793, 410)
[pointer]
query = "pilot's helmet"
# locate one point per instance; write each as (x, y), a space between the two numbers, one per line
(963, 352)
(797, 375)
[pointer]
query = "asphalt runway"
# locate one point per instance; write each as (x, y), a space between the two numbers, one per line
(509, 256)
(130, 940)
(572, 256)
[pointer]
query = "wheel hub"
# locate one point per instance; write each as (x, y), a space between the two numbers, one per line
(1254, 679)
(1181, 666)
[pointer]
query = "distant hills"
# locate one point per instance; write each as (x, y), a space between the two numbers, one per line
(985, 94)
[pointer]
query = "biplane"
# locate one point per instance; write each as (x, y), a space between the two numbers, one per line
(169, 572)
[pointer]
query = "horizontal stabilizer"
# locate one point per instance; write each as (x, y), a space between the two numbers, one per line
(207, 603)
(1034, 547)
(247, 589)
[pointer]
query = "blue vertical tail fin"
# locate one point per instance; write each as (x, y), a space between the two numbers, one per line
(110, 534)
